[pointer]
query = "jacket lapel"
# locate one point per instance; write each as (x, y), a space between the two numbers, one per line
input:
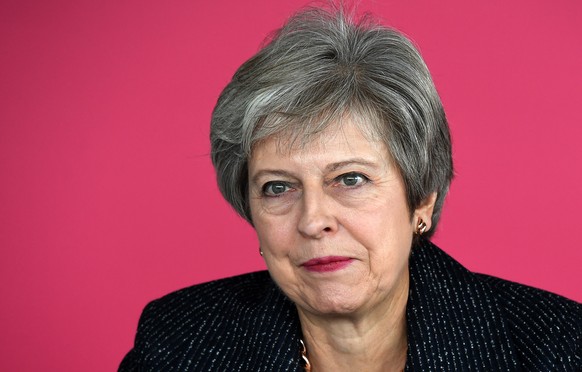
(453, 319)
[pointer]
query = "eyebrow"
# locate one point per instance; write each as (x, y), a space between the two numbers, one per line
(328, 168)
(342, 164)
(269, 172)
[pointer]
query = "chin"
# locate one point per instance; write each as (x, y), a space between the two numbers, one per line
(336, 305)
(335, 310)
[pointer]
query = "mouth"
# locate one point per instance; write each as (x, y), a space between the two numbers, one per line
(327, 264)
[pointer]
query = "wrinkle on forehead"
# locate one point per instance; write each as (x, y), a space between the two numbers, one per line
(298, 135)
(339, 145)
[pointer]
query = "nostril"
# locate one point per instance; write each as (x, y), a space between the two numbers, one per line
(327, 229)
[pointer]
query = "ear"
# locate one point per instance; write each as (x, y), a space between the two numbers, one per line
(424, 211)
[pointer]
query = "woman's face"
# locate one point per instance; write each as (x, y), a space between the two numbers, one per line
(332, 220)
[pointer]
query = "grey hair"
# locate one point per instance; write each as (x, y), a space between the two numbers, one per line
(321, 66)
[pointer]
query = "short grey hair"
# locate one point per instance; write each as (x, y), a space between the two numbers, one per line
(319, 67)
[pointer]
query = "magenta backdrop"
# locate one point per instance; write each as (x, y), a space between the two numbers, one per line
(107, 194)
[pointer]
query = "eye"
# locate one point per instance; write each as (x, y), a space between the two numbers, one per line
(275, 188)
(352, 179)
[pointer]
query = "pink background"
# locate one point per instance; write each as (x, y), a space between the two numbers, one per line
(107, 194)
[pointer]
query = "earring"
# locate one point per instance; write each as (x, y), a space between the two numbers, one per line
(260, 251)
(420, 226)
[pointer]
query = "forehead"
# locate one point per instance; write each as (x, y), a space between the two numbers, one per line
(339, 141)
(296, 135)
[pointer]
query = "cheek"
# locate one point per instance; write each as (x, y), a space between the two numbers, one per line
(275, 233)
(275, 206)
(378, 209)
(360, 198)
(381, 224)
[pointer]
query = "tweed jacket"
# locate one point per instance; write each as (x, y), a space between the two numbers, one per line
(457, 321)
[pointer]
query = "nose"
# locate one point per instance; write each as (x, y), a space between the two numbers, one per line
(317, 218)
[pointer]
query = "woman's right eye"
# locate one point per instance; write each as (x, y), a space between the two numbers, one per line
(275, 188)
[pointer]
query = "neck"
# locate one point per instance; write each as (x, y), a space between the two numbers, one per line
(369, 340)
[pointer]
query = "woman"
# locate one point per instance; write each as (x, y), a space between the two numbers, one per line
(333, 143)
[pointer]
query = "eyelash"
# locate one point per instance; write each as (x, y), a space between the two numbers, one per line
(361, 176)
(336, 181)
(266, 186)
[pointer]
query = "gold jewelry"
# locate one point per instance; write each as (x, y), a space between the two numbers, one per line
(420, 226)
(307, 366)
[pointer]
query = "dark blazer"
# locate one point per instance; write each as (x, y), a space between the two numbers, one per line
(457, 321)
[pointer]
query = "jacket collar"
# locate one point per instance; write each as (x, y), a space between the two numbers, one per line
(453, 318)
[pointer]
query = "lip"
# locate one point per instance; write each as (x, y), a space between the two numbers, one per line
(327, 264)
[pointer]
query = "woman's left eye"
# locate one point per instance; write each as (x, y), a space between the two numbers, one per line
(352, 179)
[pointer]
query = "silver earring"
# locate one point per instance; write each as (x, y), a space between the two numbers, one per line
(260, 251)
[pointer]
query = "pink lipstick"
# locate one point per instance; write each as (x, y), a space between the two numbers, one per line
(327, 264)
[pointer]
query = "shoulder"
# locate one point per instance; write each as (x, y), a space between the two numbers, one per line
(523, 298)
(206, 326)
(213, 305)
(242, 290)
(539, 320)
(527, 306)
(217, 298)
(505, 322)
